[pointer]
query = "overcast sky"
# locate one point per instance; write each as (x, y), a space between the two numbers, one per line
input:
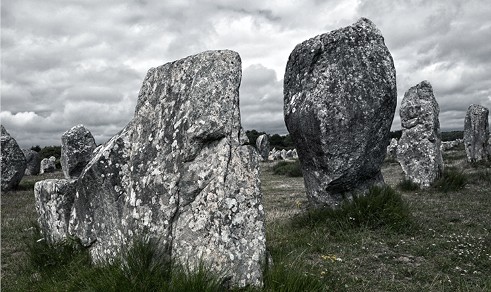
(75, 62)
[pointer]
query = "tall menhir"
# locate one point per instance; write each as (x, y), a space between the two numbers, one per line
(339, 102)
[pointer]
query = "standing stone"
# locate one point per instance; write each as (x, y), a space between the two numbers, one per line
(48, 165)
(419, 147)
(262, 145)
(476, 133)
(13, 161)
(180, 173)
(77, 145)
(392, 149)
(339, 101)
(294, 154)
(54, 200)
(283, 154)
(33, 161)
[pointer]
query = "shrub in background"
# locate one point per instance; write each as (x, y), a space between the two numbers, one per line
(292, 169)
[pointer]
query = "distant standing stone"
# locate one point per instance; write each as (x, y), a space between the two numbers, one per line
(13, 161)
(262, 145)
(339, 100)
(48, 165)
(77, 146)
(33, 162)
(476, 133)
(419, 150)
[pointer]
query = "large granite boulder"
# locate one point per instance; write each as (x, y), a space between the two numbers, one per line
(54, 201)
(262, 145)
(13, 161)
(419, 146)
(179, 173)
(48, 165)
(339, 102)
(476, 133)
(77, 145)
(33, 162)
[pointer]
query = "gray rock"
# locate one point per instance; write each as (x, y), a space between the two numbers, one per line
(262, 145)
(289, 154)
(48, 165)
(77, 146)
(283, 154)
(13, 161)
(33, 161)
(392, 149)
(476, 133)
(54, 200)
(179, 173)
(294, 154)
(419, 147)
(339, 101)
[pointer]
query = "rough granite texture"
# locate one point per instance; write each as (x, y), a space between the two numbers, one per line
(179, 172)
(54, 200)
(13, 161)
(262, 145)
(476, 133)
(77, 145)
(339, 102)
(419, 149)
(47, 165)
(33, 161)
(392, 149)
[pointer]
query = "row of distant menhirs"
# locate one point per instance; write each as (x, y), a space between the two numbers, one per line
(182, 170)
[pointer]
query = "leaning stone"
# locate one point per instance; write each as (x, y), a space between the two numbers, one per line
(339, 101)
(419, 147)
(77, 145)
(179, 172)
(262, 145)
(13, 162)
(33, 161)
(54, 201)
(476, 133)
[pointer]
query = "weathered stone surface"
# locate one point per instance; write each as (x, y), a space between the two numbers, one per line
(283, 154)
(33, 162)
(13, 161)
(262, 145)
(392, 149)
(179, 172)
(48, 165)
(77, 145)
(419, 147)
(294, 154)
(339, 101)
(476, 133)
(54, 201)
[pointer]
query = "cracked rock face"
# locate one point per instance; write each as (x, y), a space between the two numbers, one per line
(262, 145)
(77, 145)
(419, 149)
(13, 161)
(392, 149)
(476, 133)
(339, 101)
(33, 162)
(179, 172)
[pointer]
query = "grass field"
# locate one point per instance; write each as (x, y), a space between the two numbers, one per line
(446, 246)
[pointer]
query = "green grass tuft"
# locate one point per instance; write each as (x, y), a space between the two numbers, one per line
(452, 180)
(380, 208)
(291, 169)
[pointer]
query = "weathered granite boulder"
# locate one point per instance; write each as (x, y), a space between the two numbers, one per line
(48, 165)
(476, 133)
(419, 147)
(262, 145)
(339, 101)
(33, 162)
(77, 145)
(13, 161)
(179, 172)
(392, 149)
(54, 201)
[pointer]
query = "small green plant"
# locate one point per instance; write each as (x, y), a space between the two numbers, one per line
(407, 185)
(380, 208)
(292, 169)
(451, 180)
